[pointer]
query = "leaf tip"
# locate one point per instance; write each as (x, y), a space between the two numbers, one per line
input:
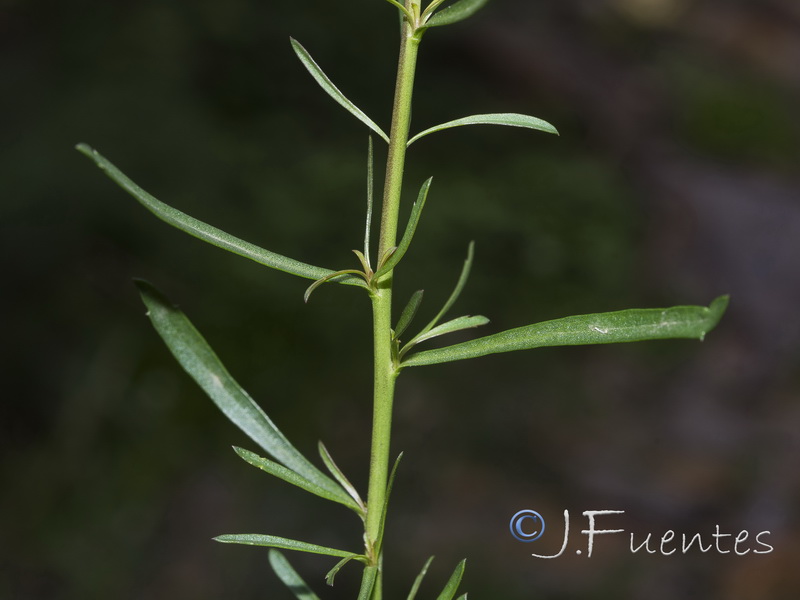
(298, 49)
(720, 304)
(149, 293)
(145, 288)
(716, 309)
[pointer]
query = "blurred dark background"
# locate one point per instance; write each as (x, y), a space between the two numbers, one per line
(675, 179)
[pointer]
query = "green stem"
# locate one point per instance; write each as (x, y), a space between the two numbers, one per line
(384, 379)
(385, 372)
(401, 119)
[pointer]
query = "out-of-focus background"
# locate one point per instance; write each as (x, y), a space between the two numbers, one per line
(675, 179)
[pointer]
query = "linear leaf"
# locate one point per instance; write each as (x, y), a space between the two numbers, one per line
(209, 233)
(508, 119)
(456, 12)
(363, 260)
(456, 324)
(462, 281)
(415, 588)
(281, 472)
(201, 363)
(385, 507)
(408, 313)
(413, 220)
(332, 276)
(340, 477)
(370, 193)
(449, 591)
(603, 328)
(367, 583)
(290, 577)
(273, 541)
(403, 11)
(331, 575)
(327, 85)
(431, 8)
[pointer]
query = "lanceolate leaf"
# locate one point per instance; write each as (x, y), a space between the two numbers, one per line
(209, 233)
(458, 11)
(508, 119)
(290, 476)
(604, 328)
(273, 541)
(199, 361)
(413, 220)
(332, 90)
(290, 577)
(449, 591)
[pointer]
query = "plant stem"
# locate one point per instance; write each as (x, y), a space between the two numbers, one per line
(383, 396)
(385, 372)
(401, 119)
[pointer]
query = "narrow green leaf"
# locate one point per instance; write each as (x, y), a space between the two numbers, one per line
(449, 591)
(331, 575)
(370, 194)
(403, 11)
(327, 85)
(367, 583)
(408, 313)
(384, 258)
(340, 477)
(272, 541)
(209, 233)
(462, 281)
(385, 507)
(418, 581)
(456, 12)
(329, 277)
(413, 220)
(456, 324)
(363, 260)
(631, 325)
(508, 119)
(281, 472)
(430, 9)
(199, 361)
(290, 577)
